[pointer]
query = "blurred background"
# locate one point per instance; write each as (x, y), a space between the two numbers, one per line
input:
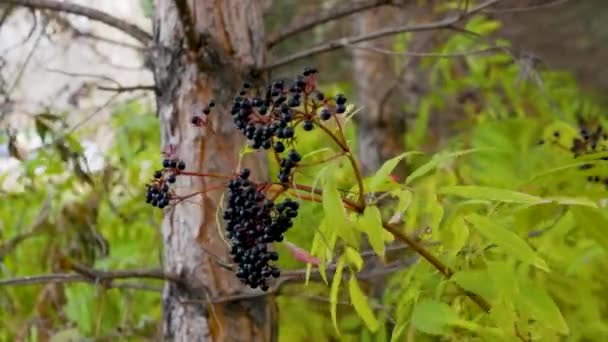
(79, 137)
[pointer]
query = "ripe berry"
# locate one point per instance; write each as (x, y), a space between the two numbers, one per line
(196, 120)
(171, 179)
(320, 96)
(206, 110)
(340, 99)
(308, 125)
(166, 163)
(279, 147)
(181, 165)
(158, 174)
(245, 173)
(325, 114)
(294, 156)
(340, 109)
(288, 132)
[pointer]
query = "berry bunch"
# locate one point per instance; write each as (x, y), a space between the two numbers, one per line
(252, 222)
(157, 191)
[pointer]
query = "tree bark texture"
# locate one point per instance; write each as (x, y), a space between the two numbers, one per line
(230, 35)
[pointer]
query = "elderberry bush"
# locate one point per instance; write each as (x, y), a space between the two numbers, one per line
(252, 223)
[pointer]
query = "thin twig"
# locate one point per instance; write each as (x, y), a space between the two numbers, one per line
(308, 21)
(68, 7)
(527, 8)
(93, 275)
(128, 89)
(343, 42)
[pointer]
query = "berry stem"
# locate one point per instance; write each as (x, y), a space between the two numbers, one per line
(201, 174)
(341, 142)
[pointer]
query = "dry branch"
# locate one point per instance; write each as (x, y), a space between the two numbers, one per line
(306, 22)
(63, 6)
(446, 23)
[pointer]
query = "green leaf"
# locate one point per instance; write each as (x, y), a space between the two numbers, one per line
(541, 306)
(332, 203)
(456, 236)
(563, 200)
(353, 257)
(476, 281)
(507, 240)
(436, 161)
(385, 170)
(594, 222)
(371, 223)
(433, 317)
(359, 301)
(333, 292)
(492, 194)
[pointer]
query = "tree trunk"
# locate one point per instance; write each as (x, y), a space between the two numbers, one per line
(382, 90)
(231, 39)
(381, 124)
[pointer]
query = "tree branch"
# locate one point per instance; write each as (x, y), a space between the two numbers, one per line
(132, 30)
(306, 22)
(91, 275)
(122, 89)
(339, 43)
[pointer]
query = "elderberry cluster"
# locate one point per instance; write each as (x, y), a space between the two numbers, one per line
(252, 222)
(157, 191)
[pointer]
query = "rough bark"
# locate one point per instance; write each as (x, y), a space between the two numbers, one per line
(230, 34)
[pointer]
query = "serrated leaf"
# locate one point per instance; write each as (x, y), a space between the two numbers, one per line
(433, 317)
(353, 257)
(371, 223)
(333, 292)
(359, 301)
(385, 170)
(492, 194)
(507, 240)
(435, 161)
(541, 306)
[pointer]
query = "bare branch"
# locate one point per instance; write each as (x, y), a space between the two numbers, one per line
(549, 4)
(306, 22)
(91, 277)
(339, 43)
(133, 30)
(127, 89)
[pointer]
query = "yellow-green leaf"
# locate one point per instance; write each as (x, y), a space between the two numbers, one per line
(594, 222)
(433, 317)
(542, 308)
(333, 293)
(354, 258)
(492, 194)
(385, 170)
(507, 240)
(436, 161)
(371, 223)
(359, 301)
